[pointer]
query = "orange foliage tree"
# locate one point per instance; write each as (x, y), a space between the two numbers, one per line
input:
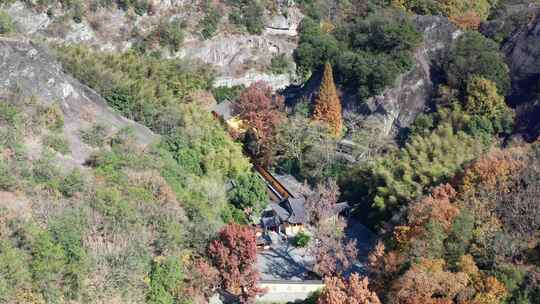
(428, 282)
(467, 21)
(327, 104)
(355, 290)
(491, 172)
(383, 267)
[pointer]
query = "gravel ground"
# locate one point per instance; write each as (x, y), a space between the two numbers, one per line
(283, 261)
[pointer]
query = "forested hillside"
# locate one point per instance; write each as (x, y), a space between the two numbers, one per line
(122, 182)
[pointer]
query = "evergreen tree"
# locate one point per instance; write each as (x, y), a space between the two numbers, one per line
(327, 104)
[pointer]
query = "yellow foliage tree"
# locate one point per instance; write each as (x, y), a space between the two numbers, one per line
(483, 98)
(466, 14)
(327, 104)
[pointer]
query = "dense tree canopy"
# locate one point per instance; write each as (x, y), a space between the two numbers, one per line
(462, 243)
(453, 197)
(475, 55)
(368, 54)
(355, 290)
(467, 14)
(424, 162)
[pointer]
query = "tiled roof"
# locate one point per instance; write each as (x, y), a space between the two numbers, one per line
(281, 212)
(224, 110)
(297, 210)
(270, 222)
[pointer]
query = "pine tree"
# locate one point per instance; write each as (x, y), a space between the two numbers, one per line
(327, 104)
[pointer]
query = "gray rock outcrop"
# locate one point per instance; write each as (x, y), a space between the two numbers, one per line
(239, 58)
(397, 107)
(243, 59)
(28, 67)
(522, 50)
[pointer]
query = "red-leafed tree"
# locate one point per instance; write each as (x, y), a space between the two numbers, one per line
(234, 254)
(262, 112)
(355, 290)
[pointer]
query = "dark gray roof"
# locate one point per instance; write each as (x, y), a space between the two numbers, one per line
(294, 186)
(224, 110)
(270, 222)
(281, 212)
(297, 210)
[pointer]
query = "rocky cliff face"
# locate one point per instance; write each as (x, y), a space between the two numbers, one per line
(522, 50)
(397, 107)
(29, 68)
(238, 58)
(242, 59)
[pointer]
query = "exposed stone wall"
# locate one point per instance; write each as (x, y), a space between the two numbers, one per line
(239, 58)
(288, 291)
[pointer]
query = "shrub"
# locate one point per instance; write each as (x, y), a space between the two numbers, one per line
(48, 263)
(249, 192)
(8, 114)
(301, 239)
(14, 272)
(7, 182)
(57, 143)
(54, 117)
(141, 7)
(165, 278)
(72, 183)
(209, 24)
(67, 231)
(46, 173)
(227, 93)
(110, 203)
(171, 34)
(95, 136)
(280, 64)
(6, 24)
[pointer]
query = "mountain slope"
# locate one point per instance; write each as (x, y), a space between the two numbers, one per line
(27, 66)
